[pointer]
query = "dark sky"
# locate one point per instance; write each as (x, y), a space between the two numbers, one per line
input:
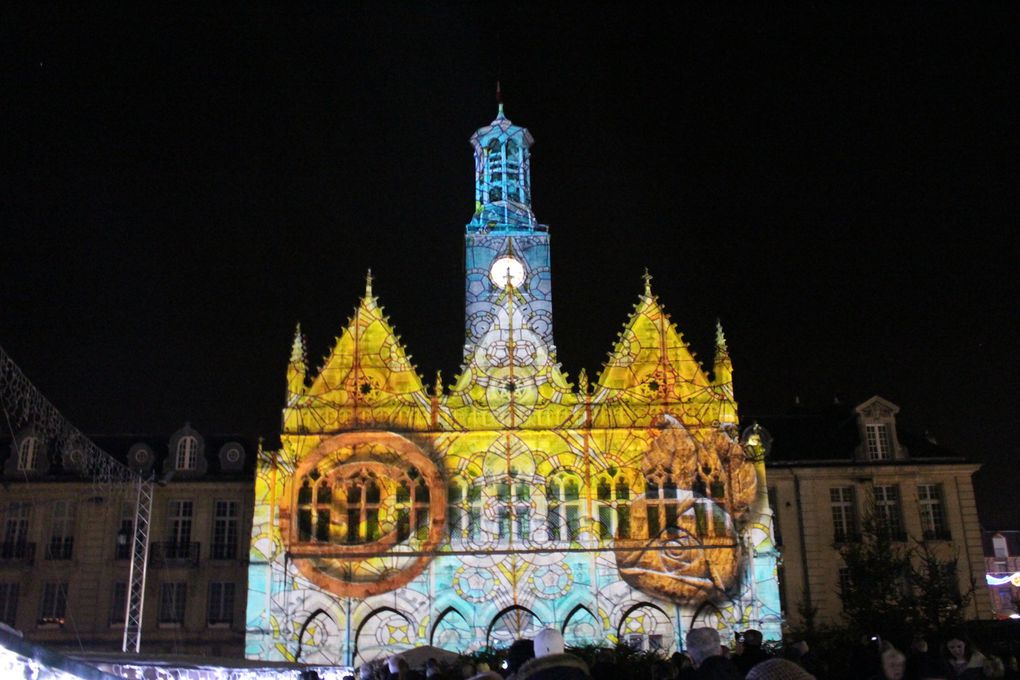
(839, 186)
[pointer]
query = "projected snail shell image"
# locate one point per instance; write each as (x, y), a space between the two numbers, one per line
(685, 545)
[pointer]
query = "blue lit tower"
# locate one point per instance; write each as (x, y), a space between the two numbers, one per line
(503, 237)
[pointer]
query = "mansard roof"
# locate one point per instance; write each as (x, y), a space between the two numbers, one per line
(119, 446)
(832, 434)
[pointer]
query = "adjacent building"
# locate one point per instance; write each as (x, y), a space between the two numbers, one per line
(831, 469)
(65, 553)
(1002, 567)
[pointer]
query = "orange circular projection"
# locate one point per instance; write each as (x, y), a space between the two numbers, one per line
(364, 513)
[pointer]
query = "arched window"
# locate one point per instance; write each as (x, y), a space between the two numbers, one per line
(314, 508)
(465, 509)
(304, 505)
(362, 496)
(323, 501)
(512, 503)
(187, 453)
(27, 454)
(412, 507)
(662, 502)
(563, 495)
(612, 494)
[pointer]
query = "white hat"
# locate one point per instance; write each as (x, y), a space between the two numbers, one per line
(548, 641)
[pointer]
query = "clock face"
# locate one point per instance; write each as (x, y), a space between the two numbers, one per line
(506, 267)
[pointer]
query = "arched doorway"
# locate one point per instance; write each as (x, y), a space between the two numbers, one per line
(452, 632)
(383, 633)
(513, 623)
(581, 628)
(319, 640)
(646, 627)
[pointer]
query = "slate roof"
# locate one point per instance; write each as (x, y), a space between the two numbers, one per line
(832, 434)
(119, 445)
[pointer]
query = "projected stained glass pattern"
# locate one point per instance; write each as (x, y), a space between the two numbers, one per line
(471, 514)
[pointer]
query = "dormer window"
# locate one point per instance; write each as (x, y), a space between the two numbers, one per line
(1001, 552)
(27, 453)
(876, 419)
(878, 441)
(187, 453)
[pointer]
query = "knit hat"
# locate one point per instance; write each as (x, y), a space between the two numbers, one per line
(752, 637)
(778, 669)
(548, 641)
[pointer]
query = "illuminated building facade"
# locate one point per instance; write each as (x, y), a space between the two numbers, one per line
(397, 514)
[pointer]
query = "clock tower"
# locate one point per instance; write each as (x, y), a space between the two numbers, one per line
(505, 246)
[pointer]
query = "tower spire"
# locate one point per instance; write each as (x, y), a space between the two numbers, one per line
(648, 283)
(298, 366)
(722, 367)
(499, 100)
(368, 283)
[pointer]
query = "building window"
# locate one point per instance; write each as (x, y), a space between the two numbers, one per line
(887, 511)
(118, 603)
(563, 495)
(54, 603)
(126, 532)
(774, 505)
(457, 513)
(171, 602)
(180, 516)
(27, 454)
(879, 444)
(187, 453)
(224, 544)
(221, 603)
(844, 513)
(9, 603)
(612, 495)
(361, 506)
(710, 518)
(61, 531)
(933, 518)
(1001, 552)
(844, 582)
(513, 509)
(662, 503)
(362, 498)
(412, 507)
(15, 543)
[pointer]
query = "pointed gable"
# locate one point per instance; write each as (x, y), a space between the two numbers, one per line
(366, 379)
(650, 353)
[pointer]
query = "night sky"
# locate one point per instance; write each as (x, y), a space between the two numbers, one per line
(838, 186)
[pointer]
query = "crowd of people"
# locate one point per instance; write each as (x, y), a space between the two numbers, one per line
(707, 658)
